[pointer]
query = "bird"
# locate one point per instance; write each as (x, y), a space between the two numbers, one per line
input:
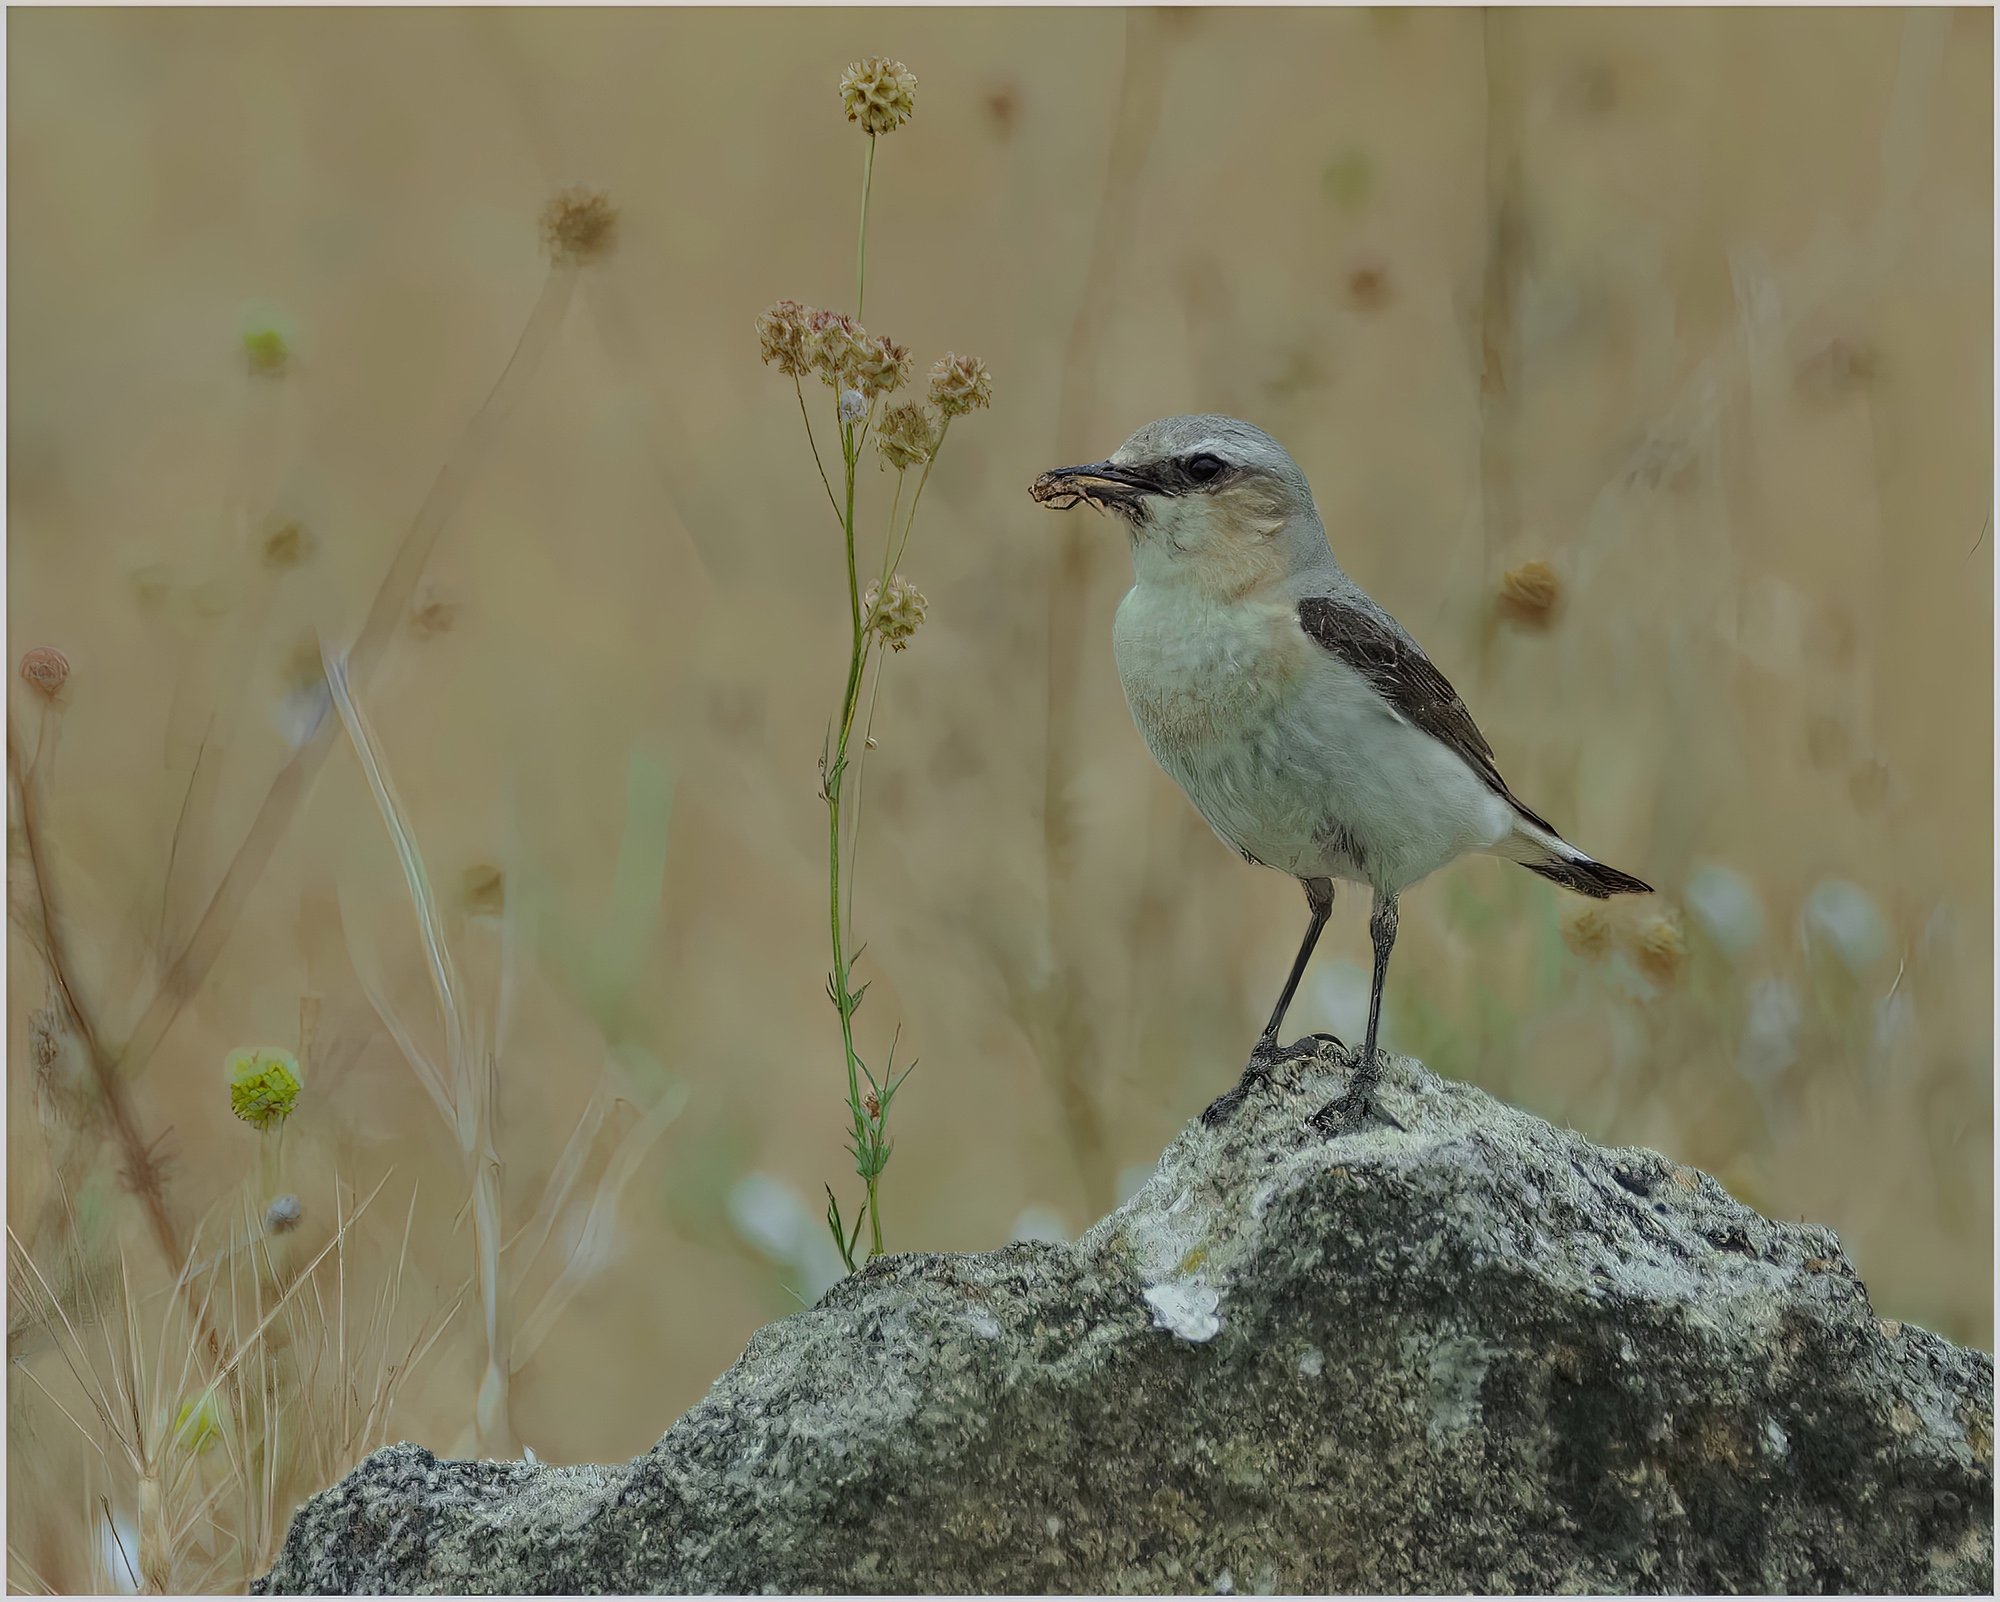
(1303, 722)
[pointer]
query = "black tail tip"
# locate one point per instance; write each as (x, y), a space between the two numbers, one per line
(1589, 878)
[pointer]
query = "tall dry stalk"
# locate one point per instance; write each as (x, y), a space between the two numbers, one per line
(1058, 1007)
(464, 1088)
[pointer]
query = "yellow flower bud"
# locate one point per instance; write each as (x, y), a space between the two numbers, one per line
(263, 1085)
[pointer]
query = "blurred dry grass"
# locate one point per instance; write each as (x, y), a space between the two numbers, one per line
(1693, 307)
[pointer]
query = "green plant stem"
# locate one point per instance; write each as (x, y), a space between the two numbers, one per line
(836, 776)
(806, 418)
(861, 250)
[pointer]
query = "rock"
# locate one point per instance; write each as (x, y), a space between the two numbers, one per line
(1473, 1354)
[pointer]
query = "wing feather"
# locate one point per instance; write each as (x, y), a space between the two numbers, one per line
(1397, 670)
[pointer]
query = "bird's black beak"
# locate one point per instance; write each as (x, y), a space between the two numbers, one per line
(1104, 485)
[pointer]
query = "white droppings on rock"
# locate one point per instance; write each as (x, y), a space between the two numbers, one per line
(1188, 1310)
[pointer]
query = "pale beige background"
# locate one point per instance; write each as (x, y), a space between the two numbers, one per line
(1692, 305)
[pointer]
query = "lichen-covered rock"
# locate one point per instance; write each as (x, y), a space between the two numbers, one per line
(1475, 1353)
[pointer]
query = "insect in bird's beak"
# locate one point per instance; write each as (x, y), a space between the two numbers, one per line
(1104, 485)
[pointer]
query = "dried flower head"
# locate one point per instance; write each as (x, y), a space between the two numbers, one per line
(1586, 929)
(46, 668)
(853, 406)
(882, 368)
(433, 613)
(835, 345)
(61, 1096)
(959, 383)
(579, 225)
(1531, 593)
(45, 1037)
(283, 1215)
(1660, 949)
(907, 436)
(896, 614)
(784, 335)
(287, 546)
(878, 93)
(484, 890)
(263, 1085)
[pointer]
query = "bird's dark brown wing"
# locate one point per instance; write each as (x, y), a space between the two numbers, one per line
(1398, 671)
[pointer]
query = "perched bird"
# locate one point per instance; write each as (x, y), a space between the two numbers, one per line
(1310, 731)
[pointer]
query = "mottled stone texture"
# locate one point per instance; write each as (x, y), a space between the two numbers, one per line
(1473, 1354)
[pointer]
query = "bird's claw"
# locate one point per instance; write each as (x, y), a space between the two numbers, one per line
(1352, 1108)
(1269, 1054)
(1266, 1057)
(1340, 1116)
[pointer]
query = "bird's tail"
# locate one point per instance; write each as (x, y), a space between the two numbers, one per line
(1554, 858)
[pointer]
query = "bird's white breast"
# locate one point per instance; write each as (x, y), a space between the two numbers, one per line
(1289, 754)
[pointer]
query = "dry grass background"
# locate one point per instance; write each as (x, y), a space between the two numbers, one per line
(1692, 306)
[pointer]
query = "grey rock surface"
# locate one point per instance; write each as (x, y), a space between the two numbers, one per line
(1477, 1354)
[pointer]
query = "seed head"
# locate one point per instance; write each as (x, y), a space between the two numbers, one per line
(878, 93)
(287, 547)
(959, 383)
(484, 890)
(283, 1215)
(434, 613)
(1586, 930)
(46, 668)
(882, 368)
(1531, 593)
(853, 406)
(835, 346)
(1660, 949)
(896, 615)
(784, 333)
(579, 225)
(907, 435)
(263, 1085)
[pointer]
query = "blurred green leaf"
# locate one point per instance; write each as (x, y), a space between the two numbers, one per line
(602, 969)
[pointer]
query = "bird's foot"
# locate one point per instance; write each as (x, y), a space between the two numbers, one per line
(1352, 1108)
(1266, 1057)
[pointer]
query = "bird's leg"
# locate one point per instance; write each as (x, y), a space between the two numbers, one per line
(1267, 1053)
(1353, 1104)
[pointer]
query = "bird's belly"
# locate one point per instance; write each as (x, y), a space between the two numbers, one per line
(1298, 764)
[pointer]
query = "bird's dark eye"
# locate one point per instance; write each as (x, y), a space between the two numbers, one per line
(1204, 469)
